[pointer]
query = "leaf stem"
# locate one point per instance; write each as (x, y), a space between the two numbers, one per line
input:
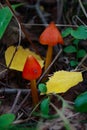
(66, 122)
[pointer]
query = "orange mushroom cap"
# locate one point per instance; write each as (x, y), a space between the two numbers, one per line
(32, 69)
(51, 36)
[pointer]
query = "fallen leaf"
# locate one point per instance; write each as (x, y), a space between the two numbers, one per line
(61, 81)
(20, 57)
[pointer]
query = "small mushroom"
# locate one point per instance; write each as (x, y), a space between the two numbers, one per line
(31, 71)
(50, 36)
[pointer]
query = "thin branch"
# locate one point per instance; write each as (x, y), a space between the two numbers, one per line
(37, 7)
(14, 90)
(15, 101)
(19, 40)
(29, 116)
(81, 62)
(20, 105)
(82, 7)
(68, 126)
(26, 33)
(58, 25)
(12, 57)
(59, 7)
(78, 18)
(3, 71)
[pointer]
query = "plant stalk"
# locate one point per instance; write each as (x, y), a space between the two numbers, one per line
(34, 92)
(48, 57)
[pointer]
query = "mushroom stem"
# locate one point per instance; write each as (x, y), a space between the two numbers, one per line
(48, 57)
(34, 92)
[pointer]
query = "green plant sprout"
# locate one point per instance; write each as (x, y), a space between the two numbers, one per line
(45, 107)
(80, 53)
(42, 88)
(79, 34)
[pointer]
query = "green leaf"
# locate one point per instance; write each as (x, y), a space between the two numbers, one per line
(5, 18)
(6, 120)
(44, 106)
(80, 32)
(76, 42)
(81, 53)
(70, 49)
(81, 103)
(66, 32)
(73, 63)
(42, 88)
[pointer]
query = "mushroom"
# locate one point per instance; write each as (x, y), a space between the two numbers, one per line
(31, 71)
(50, 36)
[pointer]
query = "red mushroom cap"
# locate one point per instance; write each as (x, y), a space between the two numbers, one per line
(32, 69)
(51, 36)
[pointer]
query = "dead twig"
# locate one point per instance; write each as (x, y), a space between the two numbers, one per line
(14, 90)
(15, 101)
(26, 33)
(20, 105)
(82, 7)
(81, 62)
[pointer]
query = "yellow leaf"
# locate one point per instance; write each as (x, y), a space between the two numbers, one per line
(61, 81)
(20, 57)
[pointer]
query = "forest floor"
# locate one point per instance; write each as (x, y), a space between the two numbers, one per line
(34, 16)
